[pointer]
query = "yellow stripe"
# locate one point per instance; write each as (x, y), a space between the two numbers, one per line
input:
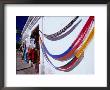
(81, 49)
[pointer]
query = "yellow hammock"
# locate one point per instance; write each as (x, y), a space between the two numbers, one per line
(81, 49)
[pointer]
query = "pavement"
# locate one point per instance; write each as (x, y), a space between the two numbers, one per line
(22, 67)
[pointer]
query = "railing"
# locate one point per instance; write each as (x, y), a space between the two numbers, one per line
(32, 20)
(27, 23)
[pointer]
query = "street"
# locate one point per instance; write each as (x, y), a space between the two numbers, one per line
(23, 67)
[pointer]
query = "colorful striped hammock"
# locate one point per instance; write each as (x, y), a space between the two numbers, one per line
(74, 45)
(76, 60)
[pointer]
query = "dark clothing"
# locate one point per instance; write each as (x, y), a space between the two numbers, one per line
(36, 56)
(35, 34)
(36, 61)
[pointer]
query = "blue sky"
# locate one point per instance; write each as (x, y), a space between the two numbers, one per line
(20, 22)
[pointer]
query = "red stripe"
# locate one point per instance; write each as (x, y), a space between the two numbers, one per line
(79, 39)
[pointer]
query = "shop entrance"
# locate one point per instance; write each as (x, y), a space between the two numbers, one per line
(35, 36)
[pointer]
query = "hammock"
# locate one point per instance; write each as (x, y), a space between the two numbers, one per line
(79, 52)
(63, 35)
(69, 66)
(64, 29)
(79, 39)
(58, 36)
(76, 60)
(72, 48)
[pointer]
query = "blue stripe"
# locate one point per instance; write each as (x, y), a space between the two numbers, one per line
(57, 56)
